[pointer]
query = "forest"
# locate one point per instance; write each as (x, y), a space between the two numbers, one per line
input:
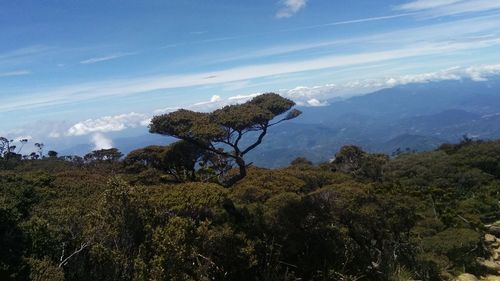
(196, 210)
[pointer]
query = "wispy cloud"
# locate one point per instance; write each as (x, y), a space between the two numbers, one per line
(105, 58)
(426, 4)
(76, 93)
(369, 19)
(425, 41)
(290, 7)
(24, 57)
(459, 29)
(436, 8)
(15, 73)
(316, 26)
(23, 52)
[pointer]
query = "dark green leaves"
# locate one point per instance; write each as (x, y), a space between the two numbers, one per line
(186, 124)
(225, 127)
(253, 115)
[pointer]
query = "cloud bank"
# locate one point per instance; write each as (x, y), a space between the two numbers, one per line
(302, 95)
(108, 124)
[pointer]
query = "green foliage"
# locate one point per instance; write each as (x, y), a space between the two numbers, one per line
(362, 217)
(351, 159)
(459, 245)
(177, 159)
(301, 161)
(103, 155)
(45, 270)
(224, 128)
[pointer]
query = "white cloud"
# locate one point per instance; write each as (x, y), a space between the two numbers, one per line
(481, 73)
(15, 73)
(37, 131)
(243, 98)
(306, 93)
(290, 7)
(54, 135)
(100, 141)
(215, 98)
(475, 73)
(316, 102)
(317, 95)
(108, 124)
(105, 58)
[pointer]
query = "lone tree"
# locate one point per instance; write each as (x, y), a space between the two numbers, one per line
(221, 131)
(103, 155)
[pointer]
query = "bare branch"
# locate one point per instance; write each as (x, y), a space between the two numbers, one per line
(82, 247)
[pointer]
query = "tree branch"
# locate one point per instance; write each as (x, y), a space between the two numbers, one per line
(82, 247)
(236, 148)
(259, 139)
(207, 147)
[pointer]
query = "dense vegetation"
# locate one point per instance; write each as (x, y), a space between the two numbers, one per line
(361, 217)
(195, 210)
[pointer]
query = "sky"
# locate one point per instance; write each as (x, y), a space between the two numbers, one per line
(89, 68)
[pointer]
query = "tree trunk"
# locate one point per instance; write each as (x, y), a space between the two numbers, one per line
(243, 173)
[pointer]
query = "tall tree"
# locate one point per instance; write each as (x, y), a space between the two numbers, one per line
(222, 131)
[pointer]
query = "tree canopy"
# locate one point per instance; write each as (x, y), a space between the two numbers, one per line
(221, 131)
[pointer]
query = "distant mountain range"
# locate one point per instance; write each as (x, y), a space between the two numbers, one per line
(415, 116)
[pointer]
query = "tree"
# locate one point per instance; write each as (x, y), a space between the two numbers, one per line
(353, 160)
(23, 142)
(177, 159)
(103, 155)
(301, 161)
(52, 154)
(34, 156)
(6, 147)
(221, 131)
(143, 158)
(40, 146)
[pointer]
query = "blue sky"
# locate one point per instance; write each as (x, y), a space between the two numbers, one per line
(81, 68)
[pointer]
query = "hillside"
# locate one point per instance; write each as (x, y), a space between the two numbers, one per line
(419, 216)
